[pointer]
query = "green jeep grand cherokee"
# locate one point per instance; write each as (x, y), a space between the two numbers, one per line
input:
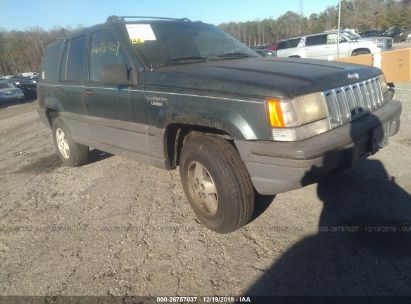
(171, 93)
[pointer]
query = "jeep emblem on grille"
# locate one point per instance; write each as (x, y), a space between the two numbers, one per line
(353, 76)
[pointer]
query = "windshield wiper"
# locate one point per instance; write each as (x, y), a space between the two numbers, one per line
(193, 59)
(234, 55)
(182, 60)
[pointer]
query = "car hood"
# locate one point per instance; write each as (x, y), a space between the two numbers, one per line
(10, 91)
(276, 77)
(376, 38)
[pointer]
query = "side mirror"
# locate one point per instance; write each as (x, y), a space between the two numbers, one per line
(115, 74)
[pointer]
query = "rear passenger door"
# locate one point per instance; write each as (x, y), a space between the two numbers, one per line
(332, 44)
(117, 114)
(316, 47)
(69, 89)
(289, 48)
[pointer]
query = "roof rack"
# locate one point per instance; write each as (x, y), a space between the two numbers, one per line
(121, 18)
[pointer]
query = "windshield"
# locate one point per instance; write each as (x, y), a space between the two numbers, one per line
(352, 35)
(4, 85)
(170, 43)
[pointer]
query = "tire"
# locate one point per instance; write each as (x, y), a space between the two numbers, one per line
(229, 204)
(71, 153)
(360, 52)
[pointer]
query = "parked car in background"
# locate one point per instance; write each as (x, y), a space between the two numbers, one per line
(8, 92)
(384, 43)
(27, 84)
(266, 52)
(396, 33)
(29, 75)
(372, 33)
(325, 46)
(272, 46)
(7, 77)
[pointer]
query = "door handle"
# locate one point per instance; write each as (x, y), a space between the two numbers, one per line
(88, 92)
(58, 90)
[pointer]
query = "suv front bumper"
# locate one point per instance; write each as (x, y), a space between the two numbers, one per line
(277, 167)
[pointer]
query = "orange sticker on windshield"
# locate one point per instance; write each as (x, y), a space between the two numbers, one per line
(137, 40)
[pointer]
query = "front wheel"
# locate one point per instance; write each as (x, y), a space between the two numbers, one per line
(216, 183)
(360, 52)
(71, 153)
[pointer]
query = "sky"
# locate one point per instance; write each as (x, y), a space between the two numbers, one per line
(20, 15)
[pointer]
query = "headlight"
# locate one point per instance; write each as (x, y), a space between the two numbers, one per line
(299, 118)
(297, 111)
(383, 83)
(311, 107)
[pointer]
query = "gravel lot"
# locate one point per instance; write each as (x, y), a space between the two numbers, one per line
(117, 227)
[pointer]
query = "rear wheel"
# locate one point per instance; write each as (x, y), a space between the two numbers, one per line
(71, 153)
(216, 183)
(360, 52)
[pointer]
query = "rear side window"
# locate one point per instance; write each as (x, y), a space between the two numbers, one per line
(287, 44)
(105, 49)
(50, 63)
(63, 67)
(72, 66)
(316, 40)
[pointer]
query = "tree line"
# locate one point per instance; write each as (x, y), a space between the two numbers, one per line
(355, 14)
(21, 51)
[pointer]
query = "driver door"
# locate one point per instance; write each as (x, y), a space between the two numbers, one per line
(117, 114)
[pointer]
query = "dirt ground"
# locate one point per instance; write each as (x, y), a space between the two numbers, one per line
(117, 227)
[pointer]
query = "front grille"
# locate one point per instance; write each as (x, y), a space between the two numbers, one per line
(351, 102)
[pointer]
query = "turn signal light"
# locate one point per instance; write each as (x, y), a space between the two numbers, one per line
(275, 114)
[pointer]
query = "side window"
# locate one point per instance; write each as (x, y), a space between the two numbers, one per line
(72, 65)
(282, 45)
(333, 39)
(287, 44)
(316, 40)
(105, 49)
(63, 66)
(50, 62)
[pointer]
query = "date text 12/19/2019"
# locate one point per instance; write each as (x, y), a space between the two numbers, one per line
(207, 299)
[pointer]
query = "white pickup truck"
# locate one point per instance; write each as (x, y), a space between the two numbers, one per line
(325, 46)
